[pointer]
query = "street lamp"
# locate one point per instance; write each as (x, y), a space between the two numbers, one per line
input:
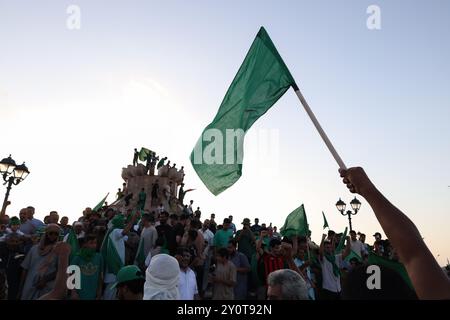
(12, 174)
(355, 203)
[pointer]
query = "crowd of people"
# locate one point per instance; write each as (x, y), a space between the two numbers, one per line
(155, 255)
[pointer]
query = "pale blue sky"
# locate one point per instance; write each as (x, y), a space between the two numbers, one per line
(74, 103)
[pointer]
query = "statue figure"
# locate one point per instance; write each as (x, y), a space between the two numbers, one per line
(135, 157)
(161, 162)
(142, 196)
(167, 192)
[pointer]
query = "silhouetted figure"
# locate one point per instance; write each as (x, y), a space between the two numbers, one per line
(135, 157)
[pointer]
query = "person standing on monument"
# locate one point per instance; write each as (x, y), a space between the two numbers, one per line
(135, 157)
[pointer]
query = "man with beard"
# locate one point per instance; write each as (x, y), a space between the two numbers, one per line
(187, 282)
(40, 266)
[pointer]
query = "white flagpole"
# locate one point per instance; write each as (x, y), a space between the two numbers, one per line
(319, 128)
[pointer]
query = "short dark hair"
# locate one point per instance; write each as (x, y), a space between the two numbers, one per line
(233, 242)
(136, 286)
(173, 216)
(226, 220)
(274, 242)
(148, 217)
(223, 252)
(353, 232)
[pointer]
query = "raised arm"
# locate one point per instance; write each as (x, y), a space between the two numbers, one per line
(348, 248)
(426, 275)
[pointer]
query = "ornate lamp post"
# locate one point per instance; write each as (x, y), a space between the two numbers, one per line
(355, 203)
(12, 174)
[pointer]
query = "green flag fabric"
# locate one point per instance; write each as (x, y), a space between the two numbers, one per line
(393, 265)
(340, 246)
(100, 204)
(72, 240)
(261, 80)
(144, 153)
(352, 255)
(296, 223)
(325, 222)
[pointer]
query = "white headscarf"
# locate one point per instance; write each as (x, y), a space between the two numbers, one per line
(161, 278)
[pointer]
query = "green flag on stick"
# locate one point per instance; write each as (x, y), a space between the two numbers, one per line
(340, 246)
(100, 204)
(144, 154)
(296, 224)
(261, 80)
(325, 222)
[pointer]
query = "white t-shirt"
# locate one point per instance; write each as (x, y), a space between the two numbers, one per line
(208, 236)
(329, 280)
(187, 285)
(358, 247)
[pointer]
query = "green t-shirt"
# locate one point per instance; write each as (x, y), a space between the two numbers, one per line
(245, 244)
(90, 273)
(222, 237)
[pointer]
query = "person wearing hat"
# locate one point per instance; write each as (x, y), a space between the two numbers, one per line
(130, 283)
(14, 225)
(246, 240)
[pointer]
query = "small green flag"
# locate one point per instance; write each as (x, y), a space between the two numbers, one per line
(72, 240)
(296, 223)
(100, 204)
(261, 80)
(352, 255)
(144, 153)
(325, 222)
(340, 246)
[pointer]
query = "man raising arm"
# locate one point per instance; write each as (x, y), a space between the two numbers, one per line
(427, 277)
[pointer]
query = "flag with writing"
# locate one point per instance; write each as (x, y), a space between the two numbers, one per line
(260, 81)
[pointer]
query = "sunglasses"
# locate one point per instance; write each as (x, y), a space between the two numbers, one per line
(53, 233)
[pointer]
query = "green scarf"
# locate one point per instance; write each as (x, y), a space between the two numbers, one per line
(86, 254)
(332, 259)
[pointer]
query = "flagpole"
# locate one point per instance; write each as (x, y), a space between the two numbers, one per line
(319, 128)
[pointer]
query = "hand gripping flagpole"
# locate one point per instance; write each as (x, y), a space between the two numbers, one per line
(319, 128)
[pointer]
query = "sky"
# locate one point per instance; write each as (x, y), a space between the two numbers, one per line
(74, 103)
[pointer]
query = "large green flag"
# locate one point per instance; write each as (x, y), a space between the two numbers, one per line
(261, 80)
(393, 265)
(100, 204)
(144, 153)
(325, 222)
(296, 223)
(340, 246)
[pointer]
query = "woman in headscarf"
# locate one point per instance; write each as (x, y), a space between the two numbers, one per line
(161, 278)
(40, 265)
